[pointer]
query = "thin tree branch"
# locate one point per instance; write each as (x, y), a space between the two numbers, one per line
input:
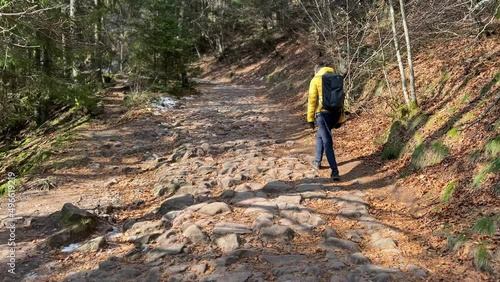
(28, 12)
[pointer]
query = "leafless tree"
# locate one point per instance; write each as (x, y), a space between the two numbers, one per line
(413, 97)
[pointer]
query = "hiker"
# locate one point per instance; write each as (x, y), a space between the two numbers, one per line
(326, 110)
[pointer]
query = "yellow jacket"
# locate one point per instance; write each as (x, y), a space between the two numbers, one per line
(315, 98)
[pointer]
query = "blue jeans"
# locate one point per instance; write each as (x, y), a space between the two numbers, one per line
(324, 139)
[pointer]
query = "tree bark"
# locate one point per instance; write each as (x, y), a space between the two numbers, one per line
(413, 97)
(398, 54)
(386, 76)
(97, 41)
(74, 70)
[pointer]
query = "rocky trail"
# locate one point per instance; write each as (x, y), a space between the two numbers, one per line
(220, 188)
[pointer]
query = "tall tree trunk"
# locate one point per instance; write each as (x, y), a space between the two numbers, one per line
(97, 42)
(72, 8)
(398, 54)
(408, 52)
(386, 76)
(121, 55)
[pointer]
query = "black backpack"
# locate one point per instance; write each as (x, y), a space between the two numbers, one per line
(333, 92)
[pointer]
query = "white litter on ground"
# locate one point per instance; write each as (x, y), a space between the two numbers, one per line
(113, 234)
(70, 248)
(164, 104)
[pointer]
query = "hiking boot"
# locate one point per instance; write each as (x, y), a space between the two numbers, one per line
(316, 165)
(335, 175)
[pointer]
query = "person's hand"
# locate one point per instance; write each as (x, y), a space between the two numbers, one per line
(311, 124)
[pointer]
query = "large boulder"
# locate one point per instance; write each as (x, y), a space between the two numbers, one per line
(77, 225)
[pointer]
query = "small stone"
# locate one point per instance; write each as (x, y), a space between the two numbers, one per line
(337, 265)
(194, 234)
(177, 268)
(199, 268)
(154, 275)
(353, 236)
(108, 265)
(263, 220)
(215, 208)
(330, 232)
(277, 232)
(417, 271)
(359, 258)
(110, 182)
(127, 273)
(223, 228)
(284, 259)
(336, 278)
(340, 243)
(228, 243)
(313, 195)
(172, 249)
(227, 194)
(382, 277)
(187, 189)
(290, 199)
(236, 276)
(228, 182)
(144, 228)
(384, 244)
(93, 245)
(262, 207)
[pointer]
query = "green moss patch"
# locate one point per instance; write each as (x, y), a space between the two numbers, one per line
(427, 155)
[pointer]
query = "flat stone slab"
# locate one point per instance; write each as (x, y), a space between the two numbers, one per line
(176, 203)
(284, 259)
(313, 195)
(277, 187)
(293, 199)
(228, 277)
(340, 244)
(246, 199)
(177, 268)
(262, 207)
(295, 226)
(349, 200)
(309, 187)
(223, 228)
(375, 269)
(372, 225)
(277, 232)
(163, 251)
(214, 208)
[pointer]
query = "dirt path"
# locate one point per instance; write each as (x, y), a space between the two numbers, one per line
(246, 204)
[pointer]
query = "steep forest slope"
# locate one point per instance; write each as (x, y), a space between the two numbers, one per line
(437, 166)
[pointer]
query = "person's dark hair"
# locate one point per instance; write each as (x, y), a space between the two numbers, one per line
(319, 65)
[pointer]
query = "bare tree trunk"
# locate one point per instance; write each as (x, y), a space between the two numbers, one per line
(74, 70)
(413, 97)
(386, 76)
(398, 55)
(121, 54)
(97, 41)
